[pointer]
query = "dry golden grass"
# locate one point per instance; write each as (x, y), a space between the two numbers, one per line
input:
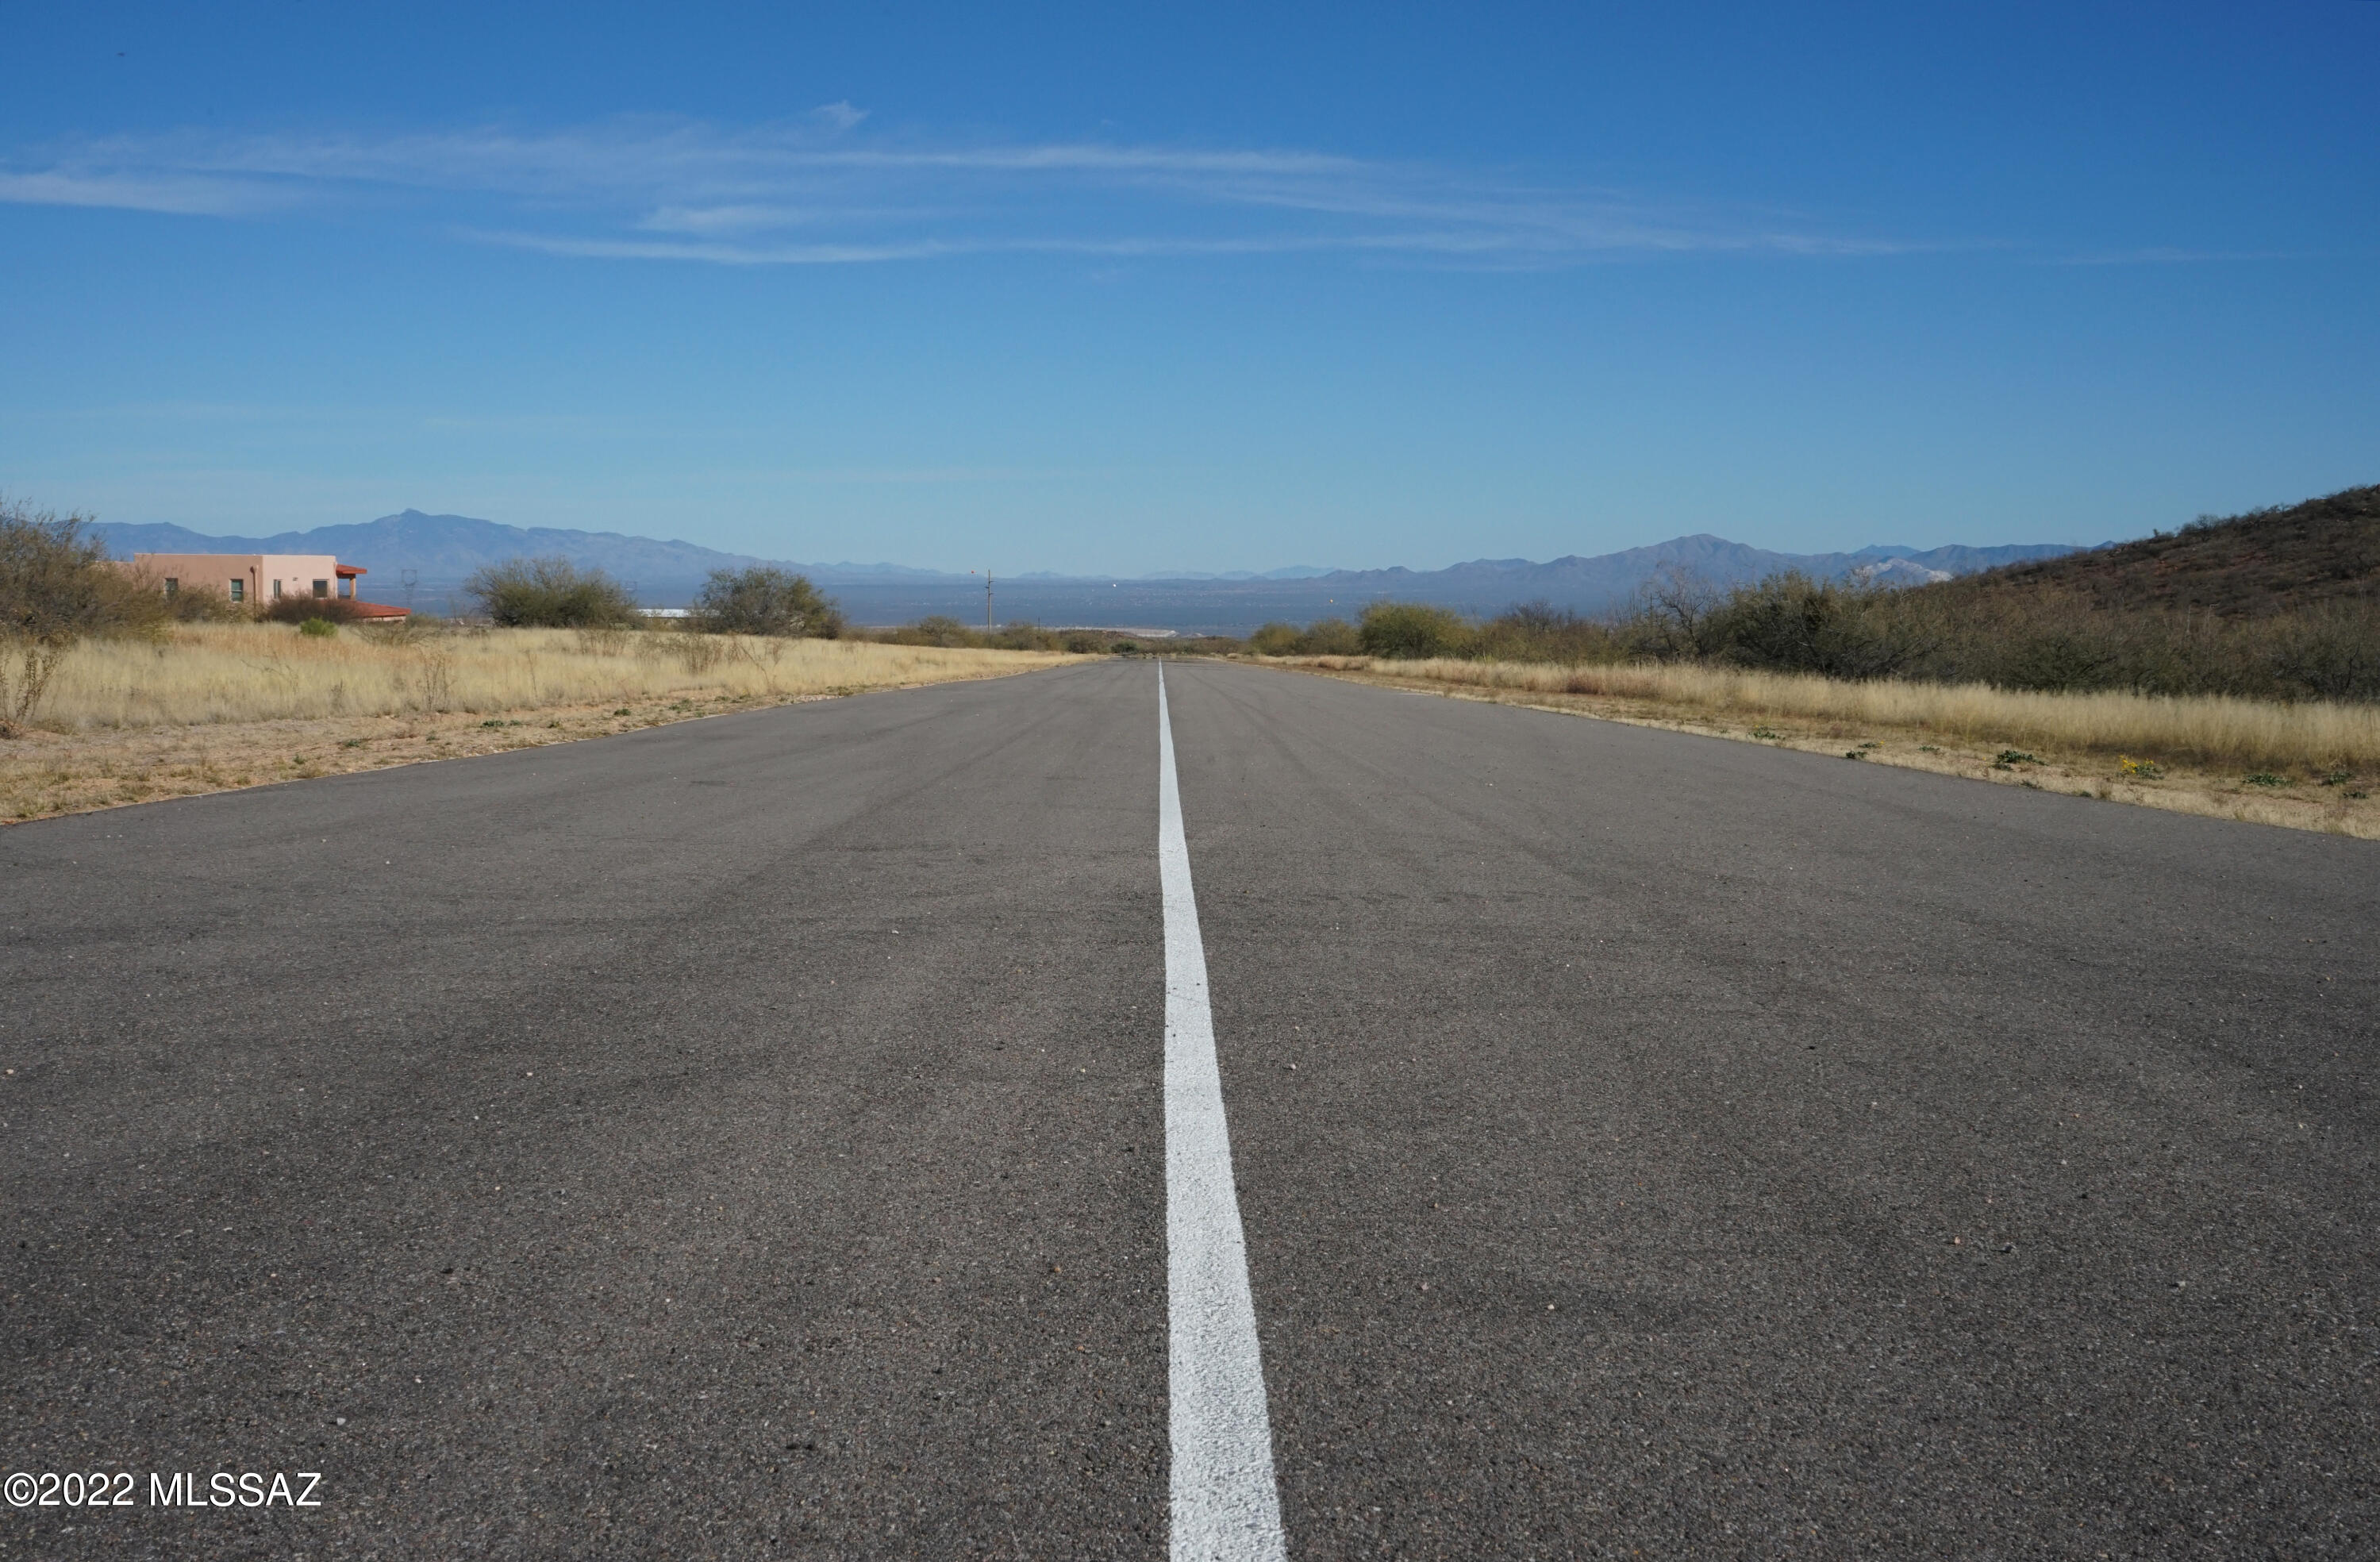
(215, 673)
(2189, 755)
(218, 706)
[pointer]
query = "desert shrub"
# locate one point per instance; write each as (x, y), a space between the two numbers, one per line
(1082, 642)
(2055, 661)
(550, 593)
(1409, 630)
(2052, 640)
(764, 600)
(1324, 637)
(55, 587)
(1332, 637)
(1791, 623)
(1670, 619)
(198, 605)
(299, 610)
(1537, 631)
(2327, 651)
(318, 628)
(2065, 643)
(1022, 637)
(938, 629)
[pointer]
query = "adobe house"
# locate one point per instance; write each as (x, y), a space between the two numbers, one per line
(263, 579)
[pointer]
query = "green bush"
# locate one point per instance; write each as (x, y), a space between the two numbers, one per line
(1332, 637)
(1277, 640)
(764, 600)
(2051, 639)
(318, 628)
(1408, 630)
(551, 593)
(1324, 637)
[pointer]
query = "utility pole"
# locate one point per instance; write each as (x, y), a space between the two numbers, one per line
(986, 602)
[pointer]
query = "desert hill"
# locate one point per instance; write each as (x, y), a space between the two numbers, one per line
(2245, 565)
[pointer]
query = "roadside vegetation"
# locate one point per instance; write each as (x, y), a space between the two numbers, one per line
(765, 601)
(550, 593)
(2315, 738)
(2231, 666)
(207, 706)
(55, 592)
(2309, 765)
(216, 674)
(111, 691)
(2273, 606)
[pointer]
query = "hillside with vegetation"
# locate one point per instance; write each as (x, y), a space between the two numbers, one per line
(2278, 604)
(2232, 668)
(2266, 562)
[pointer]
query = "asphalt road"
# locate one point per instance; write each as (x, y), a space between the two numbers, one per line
(746, 1137)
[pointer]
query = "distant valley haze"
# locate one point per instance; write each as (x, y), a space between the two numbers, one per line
(443, 551)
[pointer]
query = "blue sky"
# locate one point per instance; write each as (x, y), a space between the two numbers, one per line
(1122, 288)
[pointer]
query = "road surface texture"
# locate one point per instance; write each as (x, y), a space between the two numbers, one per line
(746, 1137)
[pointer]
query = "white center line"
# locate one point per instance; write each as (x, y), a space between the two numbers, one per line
(1226, 1508)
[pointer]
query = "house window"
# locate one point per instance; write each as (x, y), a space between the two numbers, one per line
(321, 588)
(240, 590)
(172, 587)
(276, 590)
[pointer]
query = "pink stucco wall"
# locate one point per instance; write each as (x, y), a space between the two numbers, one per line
(257, 573)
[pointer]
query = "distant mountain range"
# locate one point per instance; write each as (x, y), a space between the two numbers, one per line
(1588, 584)
(444, 550)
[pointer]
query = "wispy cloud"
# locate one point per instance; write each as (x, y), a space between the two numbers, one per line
(170, 192)
(814, 191)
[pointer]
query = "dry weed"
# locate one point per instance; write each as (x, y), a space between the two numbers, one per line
(212, 674)
(2308, 766)
(220, 706)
